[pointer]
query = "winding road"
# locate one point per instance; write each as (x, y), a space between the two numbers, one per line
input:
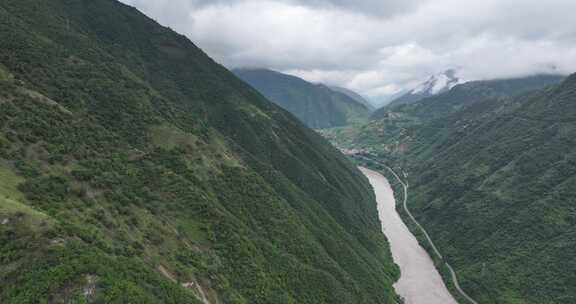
(428, 238)
(420, 282)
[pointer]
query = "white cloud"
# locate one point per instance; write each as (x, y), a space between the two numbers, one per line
(379, 47)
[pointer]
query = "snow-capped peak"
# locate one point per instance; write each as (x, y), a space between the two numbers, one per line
(437, 84)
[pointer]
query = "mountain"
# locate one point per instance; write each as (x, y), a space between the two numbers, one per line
(134, 169)
(316, 105)
(382, 101)
(493, 184)
(465, 94)
(359, 98)
(435, 85)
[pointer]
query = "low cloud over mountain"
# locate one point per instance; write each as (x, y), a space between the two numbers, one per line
(380, 47)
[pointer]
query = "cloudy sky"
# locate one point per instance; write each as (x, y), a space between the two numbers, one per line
(379, 47)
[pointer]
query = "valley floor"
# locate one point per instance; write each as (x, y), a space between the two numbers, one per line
(420, 282)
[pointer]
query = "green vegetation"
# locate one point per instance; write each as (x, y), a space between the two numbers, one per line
(134, 169)
(4, 75)
(318, 106)
(13, 205)
(493, 183)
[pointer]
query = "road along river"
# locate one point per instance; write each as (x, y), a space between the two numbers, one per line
(420, 282)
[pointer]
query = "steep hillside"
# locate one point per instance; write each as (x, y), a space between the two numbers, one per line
(496, 189)
(493, 183)
(316, 105)
(134, 169)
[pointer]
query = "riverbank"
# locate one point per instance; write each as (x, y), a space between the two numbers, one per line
(420, 281)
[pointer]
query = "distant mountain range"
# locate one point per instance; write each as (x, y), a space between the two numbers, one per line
(436, 84)
(447, 101)
(359, 98)
(317, 105)
(385, 100)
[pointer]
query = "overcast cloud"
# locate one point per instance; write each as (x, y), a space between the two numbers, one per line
(379, 47)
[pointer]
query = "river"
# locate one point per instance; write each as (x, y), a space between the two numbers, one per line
(420, 282)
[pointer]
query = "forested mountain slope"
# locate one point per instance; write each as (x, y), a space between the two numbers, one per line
(317, 105)
(496, 189)
(494, 184)
(389, 130)
(134, 169)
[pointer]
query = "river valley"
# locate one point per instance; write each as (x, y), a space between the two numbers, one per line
(420, 282)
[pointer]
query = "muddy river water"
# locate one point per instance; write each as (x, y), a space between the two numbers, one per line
(420, 282)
